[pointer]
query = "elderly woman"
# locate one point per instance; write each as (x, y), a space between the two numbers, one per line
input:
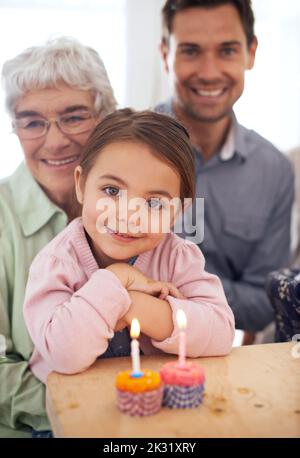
(55, 95)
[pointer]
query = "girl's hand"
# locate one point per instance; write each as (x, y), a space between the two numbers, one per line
(160, 289)
(127, 274)
(134, 280)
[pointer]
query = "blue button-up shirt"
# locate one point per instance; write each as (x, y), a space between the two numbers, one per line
(248, 190)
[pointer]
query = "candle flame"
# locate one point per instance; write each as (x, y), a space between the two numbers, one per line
(135, 328)
(181, 319)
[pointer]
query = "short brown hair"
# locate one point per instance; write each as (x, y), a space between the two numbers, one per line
(244, 8)
(166, 137)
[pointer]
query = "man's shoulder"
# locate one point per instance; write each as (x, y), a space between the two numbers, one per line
(164, 108)
(262, 150)
(160, 107)
(294, 157)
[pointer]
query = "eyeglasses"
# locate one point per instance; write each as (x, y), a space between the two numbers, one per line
(32, 127)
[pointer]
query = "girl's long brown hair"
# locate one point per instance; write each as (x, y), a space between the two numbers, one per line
(166, 137)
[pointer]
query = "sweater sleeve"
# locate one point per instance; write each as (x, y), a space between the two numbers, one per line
(70, 322)
(22, 396)
(210, 321)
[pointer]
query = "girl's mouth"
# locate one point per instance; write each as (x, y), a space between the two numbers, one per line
(119, 236)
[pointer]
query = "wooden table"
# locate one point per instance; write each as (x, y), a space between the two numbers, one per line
(253, 392)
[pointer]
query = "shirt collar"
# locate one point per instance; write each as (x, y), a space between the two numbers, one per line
(132, 260)
(235, 142)
(228, 148)
(34, 209)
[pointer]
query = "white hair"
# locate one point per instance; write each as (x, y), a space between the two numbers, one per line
(62, 59)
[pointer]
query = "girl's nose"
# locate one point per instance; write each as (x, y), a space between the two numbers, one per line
(130, 213)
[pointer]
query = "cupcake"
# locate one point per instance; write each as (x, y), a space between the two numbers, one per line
(183, 384)
(139, 395)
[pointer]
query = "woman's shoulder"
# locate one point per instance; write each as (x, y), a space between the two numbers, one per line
(63, 246)
(5, 192)
(15, 180)
(7, 206)
(13, 189)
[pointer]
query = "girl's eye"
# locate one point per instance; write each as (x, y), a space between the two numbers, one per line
(155, 203)
(111, 191)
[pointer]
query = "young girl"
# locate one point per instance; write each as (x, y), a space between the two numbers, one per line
(107, 267)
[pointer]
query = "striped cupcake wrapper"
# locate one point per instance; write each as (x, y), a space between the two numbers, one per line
(140, 404)
(182, 397)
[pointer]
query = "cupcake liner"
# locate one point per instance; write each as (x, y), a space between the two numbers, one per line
(182, 397)
(140, 404)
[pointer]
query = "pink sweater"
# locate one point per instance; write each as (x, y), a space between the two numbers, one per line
(72, 306)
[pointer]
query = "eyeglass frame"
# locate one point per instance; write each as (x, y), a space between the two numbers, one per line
(54, 120)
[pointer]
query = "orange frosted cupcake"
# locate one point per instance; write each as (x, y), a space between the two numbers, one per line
(139, 395)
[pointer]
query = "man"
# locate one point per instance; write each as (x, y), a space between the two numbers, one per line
(247, 184)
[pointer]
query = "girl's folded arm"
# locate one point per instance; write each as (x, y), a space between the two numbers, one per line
(210, 321)
(70, 319)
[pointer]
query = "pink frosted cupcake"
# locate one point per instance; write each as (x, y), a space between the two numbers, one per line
(183, 385)
(139, 395)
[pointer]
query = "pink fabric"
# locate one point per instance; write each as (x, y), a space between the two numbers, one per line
(72, 306)
(140, 404)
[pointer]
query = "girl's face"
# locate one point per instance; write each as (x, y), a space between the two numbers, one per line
(125, 201)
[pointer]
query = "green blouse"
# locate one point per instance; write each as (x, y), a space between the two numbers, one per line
(28, 221)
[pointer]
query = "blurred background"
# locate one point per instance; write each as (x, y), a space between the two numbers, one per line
(126, 34)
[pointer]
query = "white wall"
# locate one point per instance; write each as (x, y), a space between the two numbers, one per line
(271, 102)
(146, 83)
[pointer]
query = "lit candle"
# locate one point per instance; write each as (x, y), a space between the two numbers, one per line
(135, 348)
(181, 321)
